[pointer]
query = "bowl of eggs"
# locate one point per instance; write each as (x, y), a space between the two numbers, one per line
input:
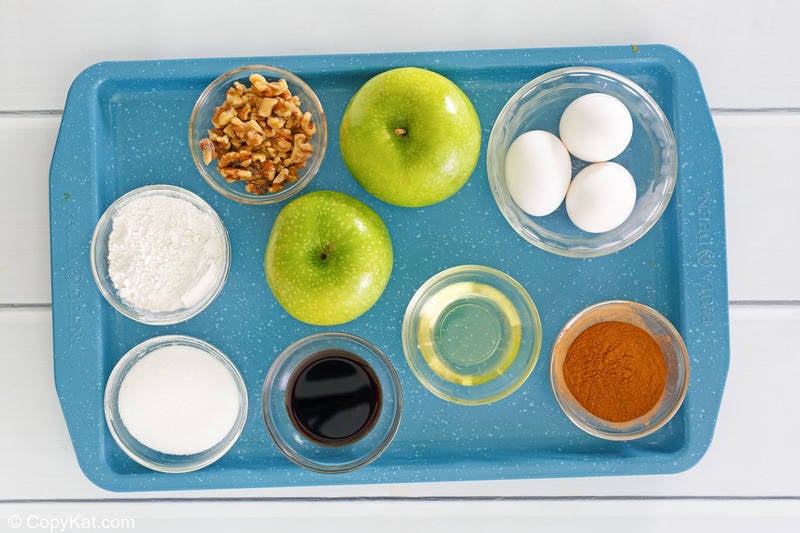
(582, 162)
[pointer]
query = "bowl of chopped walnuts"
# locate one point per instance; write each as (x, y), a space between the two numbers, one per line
(258, 134)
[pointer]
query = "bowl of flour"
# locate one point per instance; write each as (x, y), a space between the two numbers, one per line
(160, 254)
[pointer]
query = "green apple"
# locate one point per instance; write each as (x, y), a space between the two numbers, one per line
(328, 258)
(410, 137)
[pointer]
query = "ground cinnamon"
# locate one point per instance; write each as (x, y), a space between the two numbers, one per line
(615, 370)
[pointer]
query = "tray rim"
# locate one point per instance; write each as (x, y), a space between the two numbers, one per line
(686, 80)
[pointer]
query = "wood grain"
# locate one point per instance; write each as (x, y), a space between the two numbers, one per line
(760, 193)
(443, 517)
(746, 54)
(751, 454)
(761, 201)
(26, 147)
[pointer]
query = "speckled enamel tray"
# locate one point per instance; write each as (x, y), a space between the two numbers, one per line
(125, 125)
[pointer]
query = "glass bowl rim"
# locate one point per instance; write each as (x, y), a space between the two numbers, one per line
(117, 376)
(412, 355)
(109, 293)
(681, 353)
(498, 182)
(310, 172)
(270, 381)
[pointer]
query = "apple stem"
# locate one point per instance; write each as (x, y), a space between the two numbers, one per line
(400, 131)
(324, 254)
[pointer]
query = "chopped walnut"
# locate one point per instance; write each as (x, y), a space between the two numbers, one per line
(260, 135)
(308, 125)
(281, 177)
(266, 106)
(222, 117)
(302, 148)
(208, 151)
(236, 174)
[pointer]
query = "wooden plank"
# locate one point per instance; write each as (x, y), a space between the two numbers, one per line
(762, 214)
(751, 455)
(26, 147)
(744, 54)
(760, 195)
(443, 517)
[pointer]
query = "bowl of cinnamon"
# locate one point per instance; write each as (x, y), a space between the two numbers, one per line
(619, 370)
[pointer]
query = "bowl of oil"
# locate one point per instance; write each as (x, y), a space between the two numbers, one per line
(471, 335)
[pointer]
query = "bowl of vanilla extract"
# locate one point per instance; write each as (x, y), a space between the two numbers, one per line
(332, 402)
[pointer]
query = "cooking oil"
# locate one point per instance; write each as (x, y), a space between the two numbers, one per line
(469, 333)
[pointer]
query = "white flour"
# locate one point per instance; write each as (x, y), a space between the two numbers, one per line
(164, 254)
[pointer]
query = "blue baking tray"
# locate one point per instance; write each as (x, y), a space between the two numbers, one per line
(125, 125)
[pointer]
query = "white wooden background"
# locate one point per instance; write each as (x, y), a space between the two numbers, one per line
(747, 53)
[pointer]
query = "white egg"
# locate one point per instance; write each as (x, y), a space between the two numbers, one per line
(538, 170)
(601, 197)
(596, 127)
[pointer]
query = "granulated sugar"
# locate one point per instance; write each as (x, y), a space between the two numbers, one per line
(178, 400)
(164, 253)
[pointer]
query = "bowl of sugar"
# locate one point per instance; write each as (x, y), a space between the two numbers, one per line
(175, 403)
(160, 254)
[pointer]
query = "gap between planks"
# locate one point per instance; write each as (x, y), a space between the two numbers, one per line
(22, 113)
(321, 499)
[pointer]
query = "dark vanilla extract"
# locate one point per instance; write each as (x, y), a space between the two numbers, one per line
(334, 398)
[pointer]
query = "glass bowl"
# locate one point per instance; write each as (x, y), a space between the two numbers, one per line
(214, 95)
(471, 335)
(295, 444)
(154, 459)
(651, 157)
(675, 357)
(99, 258)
